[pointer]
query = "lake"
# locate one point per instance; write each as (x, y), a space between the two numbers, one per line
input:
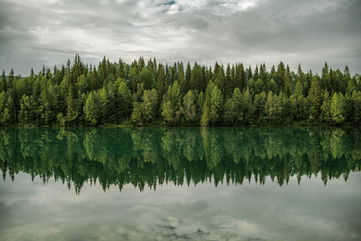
(181, 183)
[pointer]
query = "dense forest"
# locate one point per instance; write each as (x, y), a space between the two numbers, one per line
(143, 92)
(148, 157)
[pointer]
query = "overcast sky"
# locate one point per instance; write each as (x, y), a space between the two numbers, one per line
(310, 32)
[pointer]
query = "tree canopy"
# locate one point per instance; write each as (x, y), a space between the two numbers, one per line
(143, 92)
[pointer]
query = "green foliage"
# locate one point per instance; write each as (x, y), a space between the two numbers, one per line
(325, 107)
(259, 104)
(299, 107)
(171, 104)
(4, 113)
(273, 108)
(247, 108)
(71, 105)
(189, 107)
(124, 101)
(92, 108)
(27, 113)
(147, 77)
(356, 106)
(145, 91)
(144, 112)
(213, 105)
(61, 119)
(239, 108)
(351, 86)
(197, 81)
(338, 108)
(153, 156)
(137, 117)
(315, 98)
(3, 82)
(168, 113)
(232, 108)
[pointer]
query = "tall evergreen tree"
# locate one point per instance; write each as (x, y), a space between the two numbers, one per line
(337, 108)
(315, 98)
(92, 108)
(213, 105)
(3, 84)
(189, 107)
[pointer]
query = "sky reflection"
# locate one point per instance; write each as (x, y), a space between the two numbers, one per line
(310, 211)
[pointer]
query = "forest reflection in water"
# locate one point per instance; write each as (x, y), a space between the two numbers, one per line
(180, 155)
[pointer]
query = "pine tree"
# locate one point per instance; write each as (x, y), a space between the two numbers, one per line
(325, 107)
(356, 106)
(233, 113)
(27, 113)
(3, 84)
(161, 82)
(147, 78)
(259, 107)
(124, 101)
(3, 113)
(144, 112)
(105, 108)
(213, 105)
(287, 82)
(171, 104)
(71, 106)
(273, 108)
(197, 78)
(281, 74)
(92, 108)
(189, 107)
(315, 98)
(337, 108)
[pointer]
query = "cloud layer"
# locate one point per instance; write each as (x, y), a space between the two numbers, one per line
(37, 32)
(310, 211)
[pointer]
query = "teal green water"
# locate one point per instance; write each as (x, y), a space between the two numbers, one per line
(180, 184)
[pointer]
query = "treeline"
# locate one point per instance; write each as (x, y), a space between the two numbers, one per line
(148, 157)
(149, 92)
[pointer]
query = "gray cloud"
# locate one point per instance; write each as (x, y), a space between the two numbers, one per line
(309, 211)
(37, 32)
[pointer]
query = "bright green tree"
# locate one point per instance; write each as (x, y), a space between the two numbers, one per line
(259, 106)
(325, 107)
(273, 108)
(4, 112)
(356, 106)
(27, 113)
(92, 108)
(147, 77)
(338, 108)
(189, 107)
(171, 104)
(144, 112)
(213, 105)
(315, 98)
(232, 108)
(125, 100)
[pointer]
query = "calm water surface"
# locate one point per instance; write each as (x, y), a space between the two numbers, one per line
(180, 184)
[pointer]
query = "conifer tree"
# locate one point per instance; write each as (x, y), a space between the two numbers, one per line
(189, 107)
(315, 98)
(92, 108)
(213, 105)
(337, 108)
(146, 91)
(3, 84)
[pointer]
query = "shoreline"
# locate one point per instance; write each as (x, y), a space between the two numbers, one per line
(158, 125)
